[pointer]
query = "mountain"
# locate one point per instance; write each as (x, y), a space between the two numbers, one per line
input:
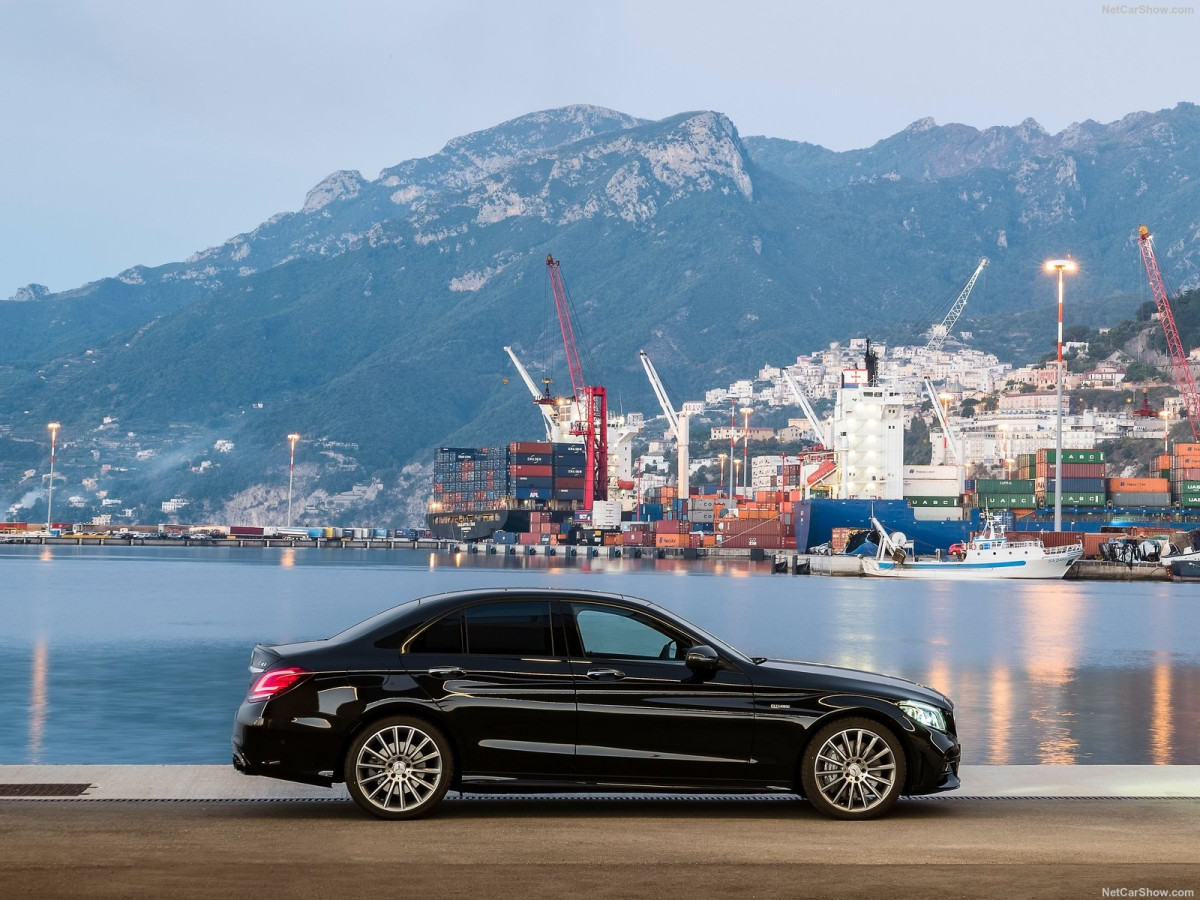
(372, 319)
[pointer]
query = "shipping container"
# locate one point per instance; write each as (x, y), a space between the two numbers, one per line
(915, 502)
(1004, 485)
(1072, 485)
(929, 488)
(1071, 456)
(931, 473)
(1142, 485)
(1006, 501)
(1135, 499)
(1078, 498)
(530, 447)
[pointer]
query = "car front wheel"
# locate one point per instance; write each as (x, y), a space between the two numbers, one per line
(399, 768)
(853, 769)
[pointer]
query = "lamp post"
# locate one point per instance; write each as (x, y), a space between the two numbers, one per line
(746, 411)
(733, 472)
(722, 457)
(292, 438)
(1166, 416)
(53, 426)
(1060, 266)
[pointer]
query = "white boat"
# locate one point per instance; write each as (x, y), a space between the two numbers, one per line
(989, 554)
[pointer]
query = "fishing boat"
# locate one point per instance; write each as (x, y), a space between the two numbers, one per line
(988, 554)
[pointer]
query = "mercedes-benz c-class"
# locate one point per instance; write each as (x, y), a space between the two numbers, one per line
(540, 689)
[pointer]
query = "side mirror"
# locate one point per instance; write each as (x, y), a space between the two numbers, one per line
(703, 658)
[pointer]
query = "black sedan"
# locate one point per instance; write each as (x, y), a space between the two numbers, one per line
(533, 689)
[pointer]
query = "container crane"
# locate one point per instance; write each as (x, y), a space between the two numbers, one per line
(941, 331)
(677, 421)
(551, 408)
(592, 399)
(1183, 373)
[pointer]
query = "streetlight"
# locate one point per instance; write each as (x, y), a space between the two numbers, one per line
(1060, 266)
(292, 438)
(722, 457)
(53, 426)
(733, 474)
(1166, 415)
(746, 411)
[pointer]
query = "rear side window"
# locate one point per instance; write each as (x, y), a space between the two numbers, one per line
(443, 636)
(510, 628)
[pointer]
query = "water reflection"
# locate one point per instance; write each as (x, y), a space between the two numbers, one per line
(1162, 727)
(39, 699)
(1058, 673)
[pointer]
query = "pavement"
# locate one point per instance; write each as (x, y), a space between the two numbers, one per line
(207, 831)
(220, 783)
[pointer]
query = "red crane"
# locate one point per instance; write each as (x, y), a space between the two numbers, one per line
(591, 399)
(1183, 373)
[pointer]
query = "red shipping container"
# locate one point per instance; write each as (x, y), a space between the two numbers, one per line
(532, 471)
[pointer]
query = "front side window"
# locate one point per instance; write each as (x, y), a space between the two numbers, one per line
(510, 628)
(626, 634)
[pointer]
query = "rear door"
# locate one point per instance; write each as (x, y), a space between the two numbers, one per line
(499, 669)
(644, 716)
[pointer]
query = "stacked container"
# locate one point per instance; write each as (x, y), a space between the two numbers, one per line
(1082, 473)
(470, 478)
(1005, 493)
(1126, 493)
(932, 486)
(1184, 474)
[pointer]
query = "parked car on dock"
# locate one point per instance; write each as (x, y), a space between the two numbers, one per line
(519, 689)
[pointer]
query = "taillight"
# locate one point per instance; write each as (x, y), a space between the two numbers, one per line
(273, 683)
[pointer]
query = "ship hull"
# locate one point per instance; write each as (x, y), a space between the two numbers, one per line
(972, 571)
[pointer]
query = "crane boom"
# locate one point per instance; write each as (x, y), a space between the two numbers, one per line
(1183, 372)
(951, 442)
(677, 421)
(941, 331)
(564, 323)
(809, 413)
(553, 429)
(660, 392)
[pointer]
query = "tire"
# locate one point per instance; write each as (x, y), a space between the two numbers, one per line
(399, 768)
(853, 769)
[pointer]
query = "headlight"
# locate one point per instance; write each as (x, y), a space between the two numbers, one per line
(929, 716)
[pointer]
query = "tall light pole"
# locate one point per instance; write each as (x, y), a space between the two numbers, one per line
(746, 411)
(53, 426)
(1166, 416)
(722, 457)
(735, 468)
(292, 438)
(1060, 266)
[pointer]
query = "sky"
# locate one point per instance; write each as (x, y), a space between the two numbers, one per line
(136, 133)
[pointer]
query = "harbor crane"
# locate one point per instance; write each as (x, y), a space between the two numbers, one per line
(809, 413)
(556, 429)
(592, 399)
(1179, 361)
(677, 421)
(940, 332)
(951, 440)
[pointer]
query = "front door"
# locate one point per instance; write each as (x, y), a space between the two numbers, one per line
(644, 716)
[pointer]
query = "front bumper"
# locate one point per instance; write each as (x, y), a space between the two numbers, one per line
(935, 764)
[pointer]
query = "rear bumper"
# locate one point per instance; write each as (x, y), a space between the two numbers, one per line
(295, 751)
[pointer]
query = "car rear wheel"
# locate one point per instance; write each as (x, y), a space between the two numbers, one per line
(399, 768)
(853, 769)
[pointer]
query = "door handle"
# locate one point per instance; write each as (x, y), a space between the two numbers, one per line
(605, 674)
(447, 672)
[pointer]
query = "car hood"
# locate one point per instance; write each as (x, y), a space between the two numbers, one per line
(786, 673)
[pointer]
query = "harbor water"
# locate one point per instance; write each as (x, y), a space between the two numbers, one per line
(114, 655)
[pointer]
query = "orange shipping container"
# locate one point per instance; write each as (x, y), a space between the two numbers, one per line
(1139, 485)
(672, 540)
